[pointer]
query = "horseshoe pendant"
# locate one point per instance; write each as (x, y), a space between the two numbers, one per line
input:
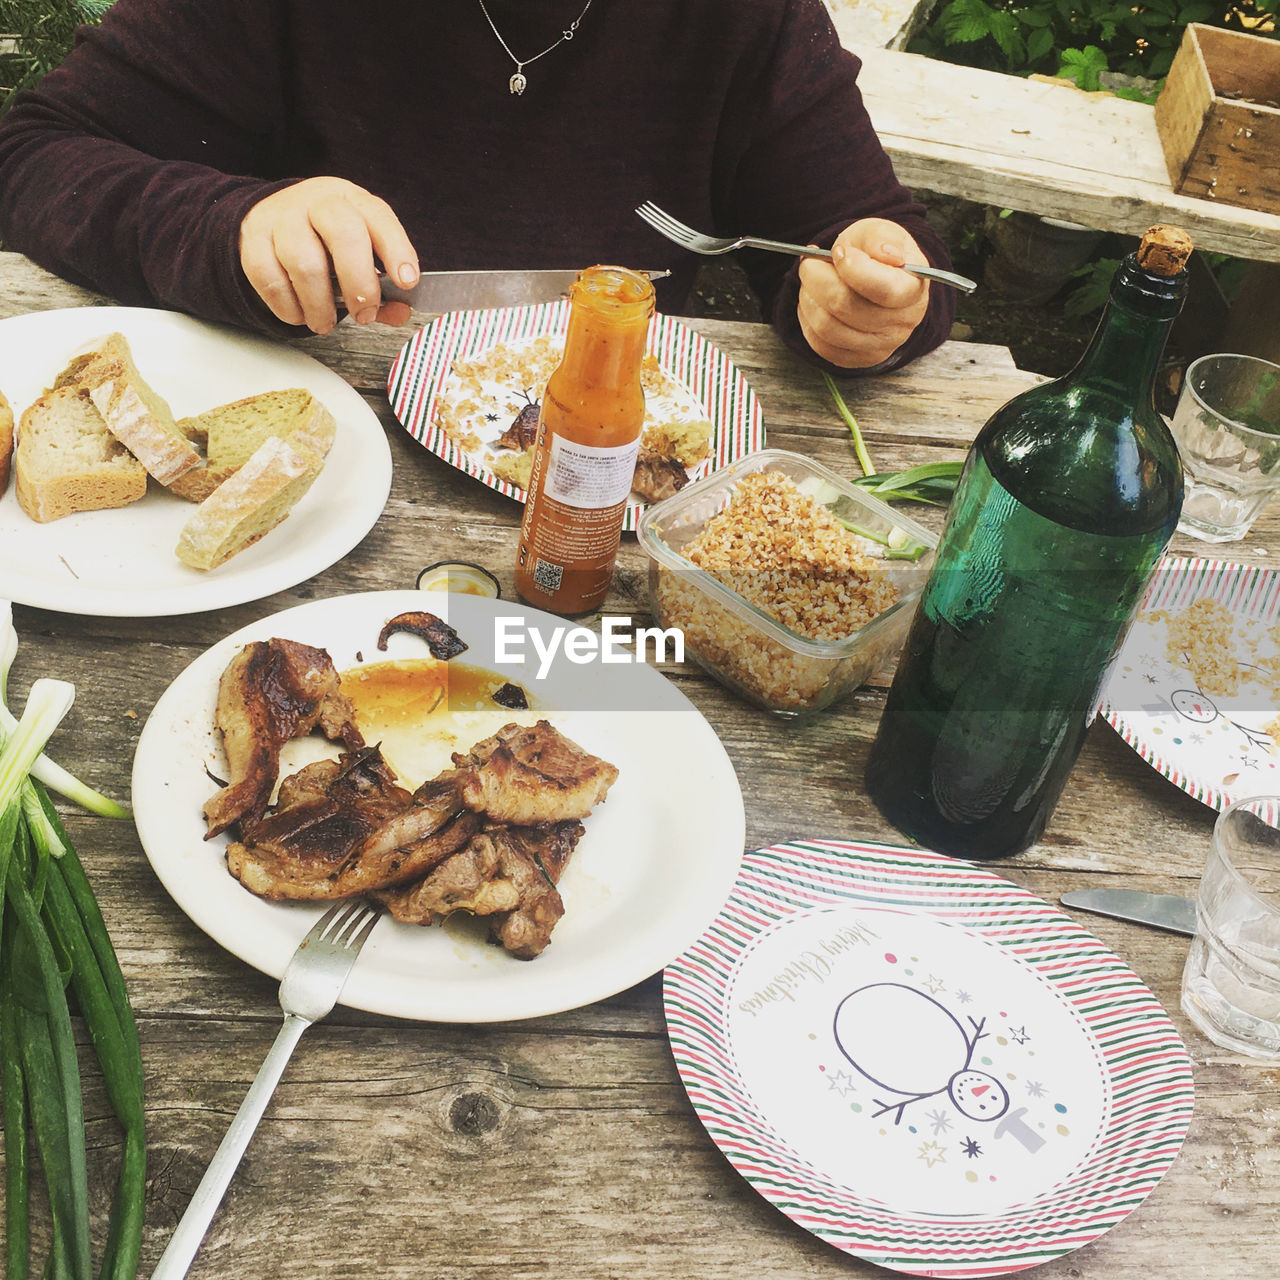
(517, 83)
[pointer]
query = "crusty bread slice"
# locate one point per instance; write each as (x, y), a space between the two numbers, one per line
(6, 441)
(66, 459)
(248, 504)
(140, 418)
(231, 433)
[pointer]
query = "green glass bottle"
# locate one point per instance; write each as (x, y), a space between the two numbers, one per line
(1067, 501)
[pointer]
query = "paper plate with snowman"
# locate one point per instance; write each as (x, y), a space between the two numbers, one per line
(922, 1063)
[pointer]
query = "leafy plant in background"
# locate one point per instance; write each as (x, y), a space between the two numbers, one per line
(1085, 41)
(35, 35)
(1079, 39)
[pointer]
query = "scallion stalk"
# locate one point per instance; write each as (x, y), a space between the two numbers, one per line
(52, 936)
(859, 444)
(52, 774)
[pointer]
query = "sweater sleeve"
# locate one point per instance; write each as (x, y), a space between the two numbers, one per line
(129, 168)
(804, 162)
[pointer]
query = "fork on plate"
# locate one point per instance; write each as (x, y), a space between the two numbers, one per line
(312, 983)
(697, 242)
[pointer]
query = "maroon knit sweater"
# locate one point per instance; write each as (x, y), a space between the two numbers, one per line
(130, 167)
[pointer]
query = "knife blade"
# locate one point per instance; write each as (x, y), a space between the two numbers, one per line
(1162, 910)
(440, 291)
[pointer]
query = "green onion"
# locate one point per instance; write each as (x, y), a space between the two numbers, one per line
(859, 444)
(53, 938)
(932, 482)
(896, 543)
(54, 776)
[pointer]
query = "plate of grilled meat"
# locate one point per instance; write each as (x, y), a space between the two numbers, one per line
(544, 819)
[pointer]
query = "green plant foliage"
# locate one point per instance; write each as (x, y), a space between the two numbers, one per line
(1090, 294)
(1080, 39)
(35, 35)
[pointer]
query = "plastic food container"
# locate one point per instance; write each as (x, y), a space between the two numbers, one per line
(747, 649)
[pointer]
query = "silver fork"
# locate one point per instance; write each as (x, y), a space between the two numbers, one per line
(697, 242)
(312, 983)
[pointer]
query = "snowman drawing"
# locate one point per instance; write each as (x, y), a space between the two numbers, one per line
(903, 1040)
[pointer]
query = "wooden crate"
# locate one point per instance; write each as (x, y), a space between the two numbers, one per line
(1218, 118)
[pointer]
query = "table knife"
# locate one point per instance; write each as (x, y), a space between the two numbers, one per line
(440, 291)
(1163, 910)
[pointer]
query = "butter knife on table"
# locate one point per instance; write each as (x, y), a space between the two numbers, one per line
(440, 291)
(1162, 910)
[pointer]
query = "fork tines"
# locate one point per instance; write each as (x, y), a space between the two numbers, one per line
(663, 222)
(346, 923)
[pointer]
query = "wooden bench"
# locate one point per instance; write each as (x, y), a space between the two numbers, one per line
(1050, 149)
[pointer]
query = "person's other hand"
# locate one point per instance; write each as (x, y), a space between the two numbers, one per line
(860, 307)
(297, 240)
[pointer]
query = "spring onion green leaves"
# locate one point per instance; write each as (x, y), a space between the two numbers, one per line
(53, 940)
(933, 482)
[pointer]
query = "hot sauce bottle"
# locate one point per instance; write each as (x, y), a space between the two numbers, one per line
(588, 438)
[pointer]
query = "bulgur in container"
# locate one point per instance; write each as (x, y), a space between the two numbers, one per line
(777, 597)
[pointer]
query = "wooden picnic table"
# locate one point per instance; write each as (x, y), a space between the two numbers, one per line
(566, 1145)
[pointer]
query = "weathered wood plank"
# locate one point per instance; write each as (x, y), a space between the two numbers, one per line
(1042, 147)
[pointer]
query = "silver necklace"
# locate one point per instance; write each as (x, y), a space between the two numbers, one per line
(518, 81)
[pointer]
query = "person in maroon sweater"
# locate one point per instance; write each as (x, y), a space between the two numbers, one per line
(223, 158)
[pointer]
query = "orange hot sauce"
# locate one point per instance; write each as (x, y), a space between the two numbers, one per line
(588, 439)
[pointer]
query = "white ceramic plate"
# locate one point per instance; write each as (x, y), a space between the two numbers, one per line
(922, 1063)
(1213, 730)
(121, 563)
(709, 386)
(656, 861)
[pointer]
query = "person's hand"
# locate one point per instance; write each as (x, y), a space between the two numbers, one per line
(295, 241)
(860, 307)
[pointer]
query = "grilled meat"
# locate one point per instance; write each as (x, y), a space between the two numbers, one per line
(490, 836)
(523, 431)
(464, 882)
(271, 692)
(344, 828)
(511, 696)
(533, 860)
(657, 476)
(533, 775)
(507, 872)
(441, 638)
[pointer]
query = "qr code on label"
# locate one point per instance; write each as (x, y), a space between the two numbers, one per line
(547, 576)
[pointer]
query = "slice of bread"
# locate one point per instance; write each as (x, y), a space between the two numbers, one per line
(140, 418)
(231, 433)
(66, 459)
(6, 441)
(249, 504)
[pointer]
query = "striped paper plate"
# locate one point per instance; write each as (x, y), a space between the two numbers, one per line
(923, 1064)
(1201, 704)
(710, 387)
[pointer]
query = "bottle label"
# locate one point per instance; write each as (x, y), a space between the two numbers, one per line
(587, 477)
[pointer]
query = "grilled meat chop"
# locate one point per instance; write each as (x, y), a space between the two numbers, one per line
(271, 692)
(533, 775)
(344, 828)
(507, 872)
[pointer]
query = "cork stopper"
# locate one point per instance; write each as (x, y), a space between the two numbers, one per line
(1164, 250)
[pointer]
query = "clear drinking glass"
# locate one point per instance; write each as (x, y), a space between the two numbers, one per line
(1227, 425)
(1231, 981)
